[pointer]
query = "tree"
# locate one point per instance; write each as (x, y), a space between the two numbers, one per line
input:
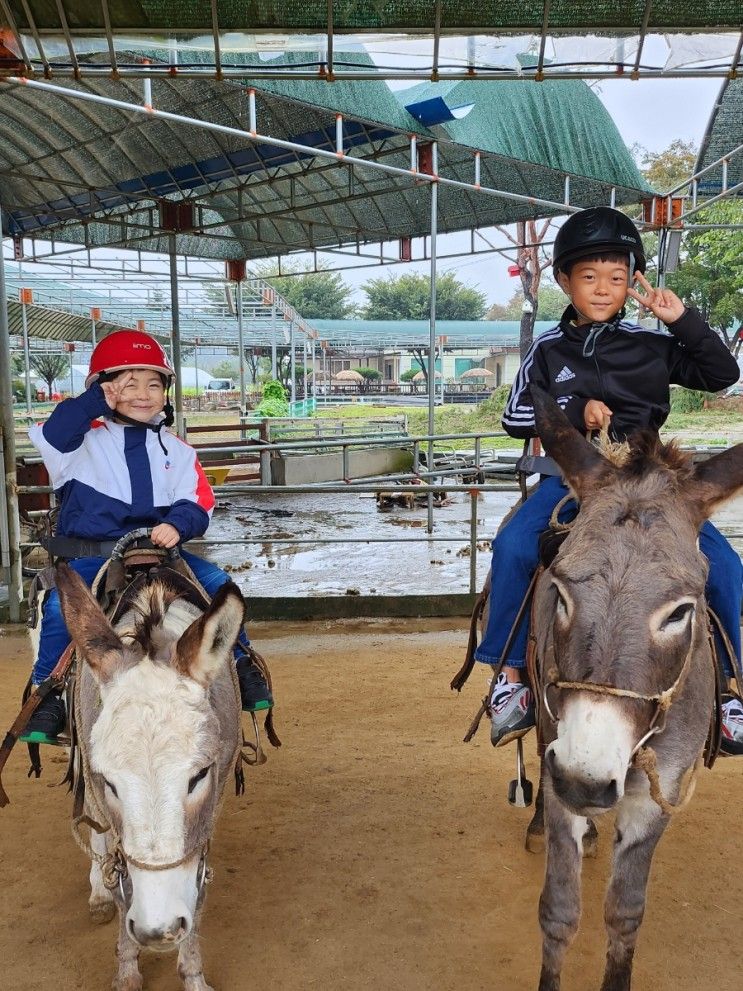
(711, 275)
(49, 367)
(551, 304)
(666, 169)
(316, 295)
(407, 297)
(227, 369)
(369, 375)
(531, 261)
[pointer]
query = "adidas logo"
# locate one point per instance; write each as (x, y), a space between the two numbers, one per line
(565, 375)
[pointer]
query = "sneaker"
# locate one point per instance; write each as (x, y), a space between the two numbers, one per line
(511, 711)
(731, 742)
(47, 722)
(254, 691)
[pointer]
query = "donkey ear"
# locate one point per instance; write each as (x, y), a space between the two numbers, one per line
(207, 644)
(717, 479)
(92, 633)
(582, 465)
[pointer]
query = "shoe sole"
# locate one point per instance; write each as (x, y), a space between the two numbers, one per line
(511, 735)
(258, 707)
(55, 741)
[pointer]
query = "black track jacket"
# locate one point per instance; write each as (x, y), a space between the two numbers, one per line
(630, 370)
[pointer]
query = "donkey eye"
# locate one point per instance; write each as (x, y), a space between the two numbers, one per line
(111, 787)
(198, 777)
(679, 614)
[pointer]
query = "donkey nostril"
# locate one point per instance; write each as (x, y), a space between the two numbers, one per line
(130, 927)
(184, 924)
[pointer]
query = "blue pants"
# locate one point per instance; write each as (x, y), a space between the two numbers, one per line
(54, 637)
(516, 555)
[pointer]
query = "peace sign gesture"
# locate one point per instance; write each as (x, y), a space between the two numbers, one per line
(662, 303)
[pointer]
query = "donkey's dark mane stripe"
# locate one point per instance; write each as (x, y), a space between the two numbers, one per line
(647, 452)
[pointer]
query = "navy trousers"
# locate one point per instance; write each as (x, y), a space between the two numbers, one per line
(54, 637)
(516, 556)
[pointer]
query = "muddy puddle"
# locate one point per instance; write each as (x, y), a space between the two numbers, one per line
(370, 552)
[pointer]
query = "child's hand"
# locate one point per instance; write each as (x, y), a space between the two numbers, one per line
(112, 390)
(662, 303)
(165, 535)
(595, 414)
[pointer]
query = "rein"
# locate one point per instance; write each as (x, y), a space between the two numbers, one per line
(115, 863)
(643, 757)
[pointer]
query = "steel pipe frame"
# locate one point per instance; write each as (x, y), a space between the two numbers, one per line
(11, 528)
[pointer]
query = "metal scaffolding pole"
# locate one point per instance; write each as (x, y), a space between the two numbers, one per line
(175, 337)
(432, 327)
(241, 343)
(292, 365)
(273, 338)
(26, 358)
(10, 529)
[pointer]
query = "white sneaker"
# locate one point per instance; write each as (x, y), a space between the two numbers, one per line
(511, 711)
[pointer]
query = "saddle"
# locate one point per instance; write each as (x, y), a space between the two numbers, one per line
(550, 541)
(133, 562)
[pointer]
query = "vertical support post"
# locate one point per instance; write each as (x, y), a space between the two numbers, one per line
(305, 361)
(175, 336)
(93, 341)
(11, 555)
(325, 381)
(473, 540)
(292, 364)
(26, 357)
(240, 343)
(432, 329)
(273, 338)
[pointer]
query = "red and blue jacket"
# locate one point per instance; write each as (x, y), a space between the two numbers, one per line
(110, 479)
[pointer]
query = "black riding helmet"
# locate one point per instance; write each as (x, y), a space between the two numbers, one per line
(596, 230)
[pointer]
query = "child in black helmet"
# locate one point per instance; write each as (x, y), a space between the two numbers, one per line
(602, 368)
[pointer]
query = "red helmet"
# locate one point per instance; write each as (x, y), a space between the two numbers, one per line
(128, 349)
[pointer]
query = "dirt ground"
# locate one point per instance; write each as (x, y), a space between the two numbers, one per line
(375, 850)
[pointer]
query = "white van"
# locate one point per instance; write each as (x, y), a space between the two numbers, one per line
(220, 385)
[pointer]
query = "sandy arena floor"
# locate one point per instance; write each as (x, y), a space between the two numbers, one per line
(373, 851)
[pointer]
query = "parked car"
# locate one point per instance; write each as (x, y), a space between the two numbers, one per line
(735, 390)
(220, 385)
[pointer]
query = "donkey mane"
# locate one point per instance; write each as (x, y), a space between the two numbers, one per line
(155, 615)
(647, 453)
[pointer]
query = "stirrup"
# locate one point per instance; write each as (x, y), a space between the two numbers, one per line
(255, 754)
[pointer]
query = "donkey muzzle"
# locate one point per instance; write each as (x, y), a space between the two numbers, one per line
(581, 794)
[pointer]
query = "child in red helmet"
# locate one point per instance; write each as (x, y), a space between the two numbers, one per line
(114, 469)
(600, 367)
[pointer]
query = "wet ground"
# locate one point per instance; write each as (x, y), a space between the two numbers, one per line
(409, 561)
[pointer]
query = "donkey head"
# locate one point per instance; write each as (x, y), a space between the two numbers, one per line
(623, 603)
(159, 748)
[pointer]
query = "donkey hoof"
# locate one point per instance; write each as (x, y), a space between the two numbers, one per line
(534, 841)
(102, 912)
(133, 982)
(590, 842)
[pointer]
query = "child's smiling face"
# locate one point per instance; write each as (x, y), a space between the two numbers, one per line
(597, 289)
(141, 395)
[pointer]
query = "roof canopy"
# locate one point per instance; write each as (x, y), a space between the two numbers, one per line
(95, 174)
(87, 17)
(724, 133)
(413, 38)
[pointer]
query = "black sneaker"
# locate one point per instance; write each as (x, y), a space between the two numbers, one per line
(254, 691)
(47, 722)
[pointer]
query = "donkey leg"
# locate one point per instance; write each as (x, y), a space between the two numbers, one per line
(101, 902)
(559, 905)
(639, 826)
(534, 842)
(190, 967)
(128, 977)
